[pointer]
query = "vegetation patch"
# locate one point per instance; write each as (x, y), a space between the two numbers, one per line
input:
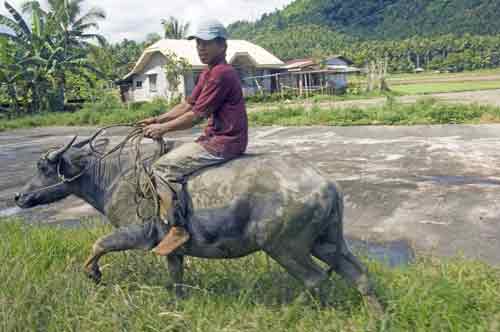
(106, 112)
(441, 87)
(424, 111)
(44, 289)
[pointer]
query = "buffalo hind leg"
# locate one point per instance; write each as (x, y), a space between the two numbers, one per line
(143, 236)
(303, 268)
(351, 269)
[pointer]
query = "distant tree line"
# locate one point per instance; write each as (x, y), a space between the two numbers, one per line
(444, 52)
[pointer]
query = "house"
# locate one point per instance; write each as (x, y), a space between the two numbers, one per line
(147, 80)
(307, 76)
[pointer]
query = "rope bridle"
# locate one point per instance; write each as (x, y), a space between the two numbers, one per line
(144, 191)
(60, 176)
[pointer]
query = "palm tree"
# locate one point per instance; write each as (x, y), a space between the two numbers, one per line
(50, 48)
(8, 71)
(72, 38)
(69, 41)
(28, 46)
(151, 38)
(174, 29)
(69, 23)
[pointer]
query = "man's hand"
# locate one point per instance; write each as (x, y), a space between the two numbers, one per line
(148, 121)
(154, 131)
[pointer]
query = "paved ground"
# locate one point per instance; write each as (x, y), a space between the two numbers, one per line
(436, 187)
(483, 97)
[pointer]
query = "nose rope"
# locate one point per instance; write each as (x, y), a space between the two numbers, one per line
(145, 190)
(62, 180)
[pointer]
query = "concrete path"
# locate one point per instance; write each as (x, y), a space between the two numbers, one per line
(435, 187)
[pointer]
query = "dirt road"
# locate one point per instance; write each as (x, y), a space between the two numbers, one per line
(436, 187)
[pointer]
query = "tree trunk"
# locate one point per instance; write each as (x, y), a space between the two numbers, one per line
(35, 98)
(59, 100)
(11, 90)
(58, 95)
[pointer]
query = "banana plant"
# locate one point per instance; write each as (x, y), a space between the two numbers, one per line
(70, 42)
(27, 45)
(55, 44)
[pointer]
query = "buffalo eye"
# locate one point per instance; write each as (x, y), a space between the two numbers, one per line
(42, 167)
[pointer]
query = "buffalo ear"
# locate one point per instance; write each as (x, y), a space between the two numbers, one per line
(87, 141)
(101, 144)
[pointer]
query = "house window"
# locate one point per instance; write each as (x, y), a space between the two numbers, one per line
(152, 82)
(138, 84)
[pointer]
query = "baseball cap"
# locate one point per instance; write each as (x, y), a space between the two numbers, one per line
(208, 30)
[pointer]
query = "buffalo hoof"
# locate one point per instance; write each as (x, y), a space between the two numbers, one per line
(374, 306)
(94, 274)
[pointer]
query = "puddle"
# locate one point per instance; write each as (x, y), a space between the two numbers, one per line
(9, 212)
(460, 180)
(394, 254)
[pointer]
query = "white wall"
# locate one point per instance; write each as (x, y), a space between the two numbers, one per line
(156, 66)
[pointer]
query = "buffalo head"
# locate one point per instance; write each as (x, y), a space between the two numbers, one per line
(48, 184)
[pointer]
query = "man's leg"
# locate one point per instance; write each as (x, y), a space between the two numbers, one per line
(170, 172)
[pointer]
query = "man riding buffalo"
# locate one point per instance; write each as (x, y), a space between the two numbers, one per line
(217, 97)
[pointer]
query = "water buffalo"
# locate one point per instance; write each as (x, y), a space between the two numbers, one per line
(283, 207)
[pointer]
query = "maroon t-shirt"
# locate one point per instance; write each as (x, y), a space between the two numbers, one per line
(218, 97)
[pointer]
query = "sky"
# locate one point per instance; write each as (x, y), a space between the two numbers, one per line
(133, 19)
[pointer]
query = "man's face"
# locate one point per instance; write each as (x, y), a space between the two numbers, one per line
(208, 50)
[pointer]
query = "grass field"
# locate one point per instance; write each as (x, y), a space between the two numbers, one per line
(44, 289)
(422, 83)
(434, 75)
(441, 87)
(98, 114)
(425, 111)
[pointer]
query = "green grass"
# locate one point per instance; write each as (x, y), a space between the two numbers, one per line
(43, 289)
(428, 88)
(318, 99)
(425, 111)
(431, 75)
(90, 115)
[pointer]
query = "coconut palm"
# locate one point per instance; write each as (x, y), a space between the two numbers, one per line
(28, 45)
(174, 29)
(69, 23)
(71, 35)
(50, 48)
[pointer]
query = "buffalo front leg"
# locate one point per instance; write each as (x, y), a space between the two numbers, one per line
(143, 236)
(175, 264)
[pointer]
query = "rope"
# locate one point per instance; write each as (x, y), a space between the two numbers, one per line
(144, 190)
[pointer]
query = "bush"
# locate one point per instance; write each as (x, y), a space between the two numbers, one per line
(105, 112)
(424, 111)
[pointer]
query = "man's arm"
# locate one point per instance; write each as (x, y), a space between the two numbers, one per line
(176, 112)
(185, 121)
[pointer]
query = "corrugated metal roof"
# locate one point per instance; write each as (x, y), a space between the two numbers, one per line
(187, 49)
(298, 63)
